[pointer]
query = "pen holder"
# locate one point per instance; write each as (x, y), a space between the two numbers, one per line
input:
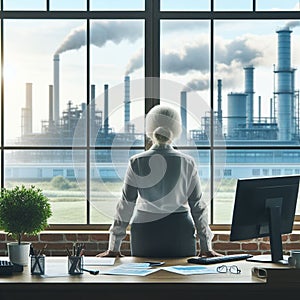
(75, 265)
(37, 263)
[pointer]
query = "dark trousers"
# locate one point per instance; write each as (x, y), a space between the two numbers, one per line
(170, 236)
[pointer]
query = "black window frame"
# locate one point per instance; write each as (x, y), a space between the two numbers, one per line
(152, 15)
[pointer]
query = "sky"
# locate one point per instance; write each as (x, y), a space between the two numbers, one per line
(117, 50)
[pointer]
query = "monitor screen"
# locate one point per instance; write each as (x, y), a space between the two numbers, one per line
(265, 207)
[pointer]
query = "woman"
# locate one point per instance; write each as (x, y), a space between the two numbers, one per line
(162, 196)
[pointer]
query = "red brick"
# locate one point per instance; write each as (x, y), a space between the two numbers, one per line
(249, 246)
(294, 237)
(99, 237)
(51, 237)
(70, 237)
(223, 237)
(227, 246)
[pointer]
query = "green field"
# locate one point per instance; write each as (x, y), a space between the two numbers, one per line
(69, 206)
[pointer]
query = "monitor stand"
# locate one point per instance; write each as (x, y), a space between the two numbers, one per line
(274, 207)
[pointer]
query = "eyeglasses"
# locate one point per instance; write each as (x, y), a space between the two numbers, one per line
(232, 269)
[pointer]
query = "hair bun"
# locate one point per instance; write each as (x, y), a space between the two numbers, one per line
(162, 134)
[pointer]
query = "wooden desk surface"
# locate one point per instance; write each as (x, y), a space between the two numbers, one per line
(59, 264)
(156, 285)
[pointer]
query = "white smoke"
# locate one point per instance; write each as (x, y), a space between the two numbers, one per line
(292, 24)
(195, 57)
(101, 33)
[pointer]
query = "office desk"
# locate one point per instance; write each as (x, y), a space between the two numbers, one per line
(159, 285)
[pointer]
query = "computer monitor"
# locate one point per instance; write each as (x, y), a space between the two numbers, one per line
(265, 206)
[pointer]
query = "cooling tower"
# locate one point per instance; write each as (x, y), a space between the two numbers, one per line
(236, 112)
(106, 109)
(126, 103)
(56, 88)
(284, 85)
(183, 113)
(249, 90)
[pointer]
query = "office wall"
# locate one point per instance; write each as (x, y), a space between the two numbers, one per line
(96, 242)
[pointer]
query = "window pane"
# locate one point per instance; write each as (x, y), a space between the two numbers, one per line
(277, 5)
(67, 4)
(185, 5)
(229, 5)
(246, 164)
(256, 63)
(117, 72)
(45, 86)
(60, 178)
(185, 75)
(24, 4)
(107, 177)
(117, 5)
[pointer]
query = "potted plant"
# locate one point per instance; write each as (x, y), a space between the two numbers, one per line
(23, 212)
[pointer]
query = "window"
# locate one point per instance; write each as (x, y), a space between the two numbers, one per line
(77, 86)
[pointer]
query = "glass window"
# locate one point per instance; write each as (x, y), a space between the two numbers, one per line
(229, 5)
(251, 63)
(117, 5)
(24, 4)
(187, 5)
(185, 79)
(277, 5)
(49, 170)
(45, 83)
(68, 4)
(117, 92)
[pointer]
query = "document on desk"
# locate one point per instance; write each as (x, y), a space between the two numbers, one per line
(134, 269)
(98, 261)
(190, 270)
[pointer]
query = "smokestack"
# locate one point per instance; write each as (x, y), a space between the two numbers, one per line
(249, 90)
(106, 109)
(126, 103)
(50, 105)
(284, 84)
(220, 114)
(183, 116)
(27, 111)
(259, 109)
(56, 88)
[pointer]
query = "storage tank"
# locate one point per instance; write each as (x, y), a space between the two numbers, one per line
(236, 112)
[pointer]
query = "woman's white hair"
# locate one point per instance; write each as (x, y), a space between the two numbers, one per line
(163, 124)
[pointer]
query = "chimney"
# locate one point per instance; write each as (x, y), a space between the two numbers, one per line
(56, 88)
(183, 116)
(106, 109)
(126, 103)
(284, 85)
(220, 114)
(249, 90)
(50, 105)
(27, 111)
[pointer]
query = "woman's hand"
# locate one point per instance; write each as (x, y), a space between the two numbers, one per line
(109, 253)
(211, 253)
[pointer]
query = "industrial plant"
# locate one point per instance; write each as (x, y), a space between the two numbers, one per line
(239, 127)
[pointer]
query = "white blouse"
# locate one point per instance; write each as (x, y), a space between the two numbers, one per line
(161, 181)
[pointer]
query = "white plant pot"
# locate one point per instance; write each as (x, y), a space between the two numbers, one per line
(19, 254)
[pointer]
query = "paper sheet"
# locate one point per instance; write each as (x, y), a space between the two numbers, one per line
(130, 272)
(190, 270)
(98, 261)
